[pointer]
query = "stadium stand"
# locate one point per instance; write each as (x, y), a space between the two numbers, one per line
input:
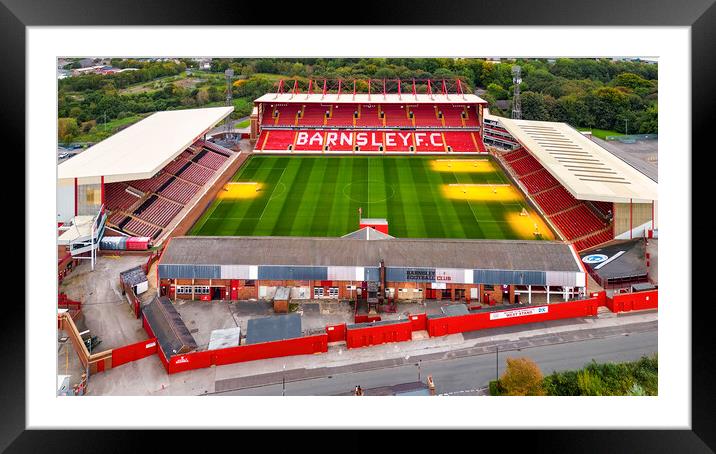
(313, 115)
(117, 197)
(165, 194)
(342, 115)
(369, 116)
(425, 115)
(210, 159)
(340, 143)
(574, 218)
(594, 240)
(151, 184)
(555, 200)
(526, 165)
(396, 115)
(140, 228)
(179, 191)
(539, 181)
(276, 139)
(176, 165)
(460, 141)
(513, 156)
(158, 211)
(287, 115)
(577, 222)
(427, 145)
(452, 115)
(196, 174)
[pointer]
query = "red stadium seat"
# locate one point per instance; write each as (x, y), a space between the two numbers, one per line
(460, 141)
(539, 181)
(396, 115)
(369, 116)
(117, 198)
(342, 115)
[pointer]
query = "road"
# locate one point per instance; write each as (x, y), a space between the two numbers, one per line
(463, 375)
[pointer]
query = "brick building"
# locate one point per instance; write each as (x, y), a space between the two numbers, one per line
(243, 268)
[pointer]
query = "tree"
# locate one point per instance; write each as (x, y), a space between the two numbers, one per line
(522, 378)
(497, 91)
(67, 129)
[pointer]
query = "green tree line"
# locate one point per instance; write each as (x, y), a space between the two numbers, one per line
(602, 93)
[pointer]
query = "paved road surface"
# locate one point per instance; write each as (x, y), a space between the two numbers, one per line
(463, 375)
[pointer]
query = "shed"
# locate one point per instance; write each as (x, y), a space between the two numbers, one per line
(172, 334)
(136, 279)
(281, 299)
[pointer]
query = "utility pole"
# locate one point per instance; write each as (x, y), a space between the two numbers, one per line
(497, 363)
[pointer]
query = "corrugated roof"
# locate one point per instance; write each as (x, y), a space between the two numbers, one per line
(586, 170)
(169, 328)
(141, 150)
(399, 252)
(347, 97)
(133, 276)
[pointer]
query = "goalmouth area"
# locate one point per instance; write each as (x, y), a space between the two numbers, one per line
(420, 196)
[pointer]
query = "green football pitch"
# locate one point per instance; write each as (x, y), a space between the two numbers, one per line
(421, 197)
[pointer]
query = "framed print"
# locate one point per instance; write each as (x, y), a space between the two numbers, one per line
(254, 223)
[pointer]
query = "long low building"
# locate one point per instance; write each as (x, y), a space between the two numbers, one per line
(240, 268)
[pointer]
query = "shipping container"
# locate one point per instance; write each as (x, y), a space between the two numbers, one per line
(138, 243)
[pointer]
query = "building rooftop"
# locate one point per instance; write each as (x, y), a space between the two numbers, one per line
(586, 170)
(399, 252)
(374, 98)
(141, 150)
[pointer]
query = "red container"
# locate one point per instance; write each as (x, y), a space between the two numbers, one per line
(138, 243)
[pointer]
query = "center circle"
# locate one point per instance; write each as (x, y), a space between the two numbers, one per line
(389, 191)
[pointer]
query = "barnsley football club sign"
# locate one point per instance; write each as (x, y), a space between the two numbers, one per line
(519, 312)
(369, 138)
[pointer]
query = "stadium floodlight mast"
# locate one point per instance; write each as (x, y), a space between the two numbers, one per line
(516, 101)
(229, 74)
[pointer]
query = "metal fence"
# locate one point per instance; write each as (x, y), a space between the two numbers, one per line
(631, 138)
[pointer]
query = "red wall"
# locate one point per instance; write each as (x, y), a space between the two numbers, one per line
(625, 302)
(133, 352)
(418, 322)
(601, 297)
(298, 346)
(471, 322)
(366, 318)
(336, 333)
(380, 334)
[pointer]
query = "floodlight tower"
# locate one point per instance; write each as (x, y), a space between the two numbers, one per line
(229, 74)
(516, 101)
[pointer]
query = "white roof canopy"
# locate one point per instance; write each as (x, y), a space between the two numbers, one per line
(141, 150)
(347, 97)
(586, 170)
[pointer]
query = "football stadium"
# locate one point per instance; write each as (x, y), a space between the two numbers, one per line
(378, 196)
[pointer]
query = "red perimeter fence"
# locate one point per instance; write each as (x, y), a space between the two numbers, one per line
(625, 302)
(133, 352)
(361, 336)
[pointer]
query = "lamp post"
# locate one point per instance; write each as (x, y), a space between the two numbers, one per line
(283, 382)
(497, 363)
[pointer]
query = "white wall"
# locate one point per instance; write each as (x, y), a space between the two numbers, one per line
(65, 202)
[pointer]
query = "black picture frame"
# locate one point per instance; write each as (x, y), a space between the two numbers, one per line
(699, 15)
